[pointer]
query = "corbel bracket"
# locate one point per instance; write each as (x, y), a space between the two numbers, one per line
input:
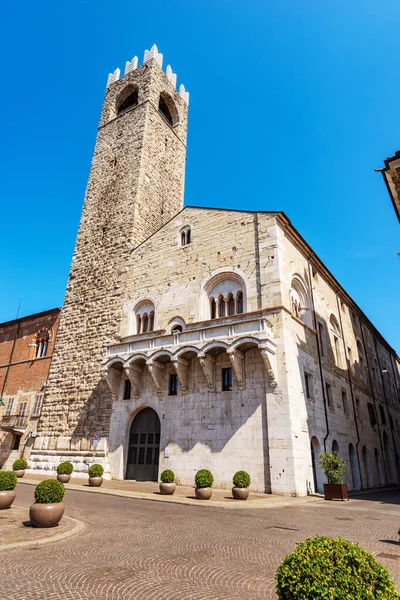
(134, 375)
(266, 356)
(113, 378)
(181, 367)
(208, 366)
(237, 361)
(156, 370)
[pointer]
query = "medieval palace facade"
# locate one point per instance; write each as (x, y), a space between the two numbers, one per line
(203, 338)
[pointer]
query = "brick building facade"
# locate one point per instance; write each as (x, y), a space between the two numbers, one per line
(204, 338)
(26, 349)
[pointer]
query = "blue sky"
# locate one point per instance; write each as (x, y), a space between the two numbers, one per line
(293, 105)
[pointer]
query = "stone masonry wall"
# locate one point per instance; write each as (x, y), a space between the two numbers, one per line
(135, 185)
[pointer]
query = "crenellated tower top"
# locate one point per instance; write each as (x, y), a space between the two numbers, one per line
(152, 54)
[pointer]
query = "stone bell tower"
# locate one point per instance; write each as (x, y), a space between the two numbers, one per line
(135, 186)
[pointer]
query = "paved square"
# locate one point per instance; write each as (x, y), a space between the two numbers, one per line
(159, 551)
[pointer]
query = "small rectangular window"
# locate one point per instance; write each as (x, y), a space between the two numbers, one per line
(345, 403)
(37, 407)
(328, 388)
(322, 339)
(309, 386)
(127, 389)
(383, 416)
(173, 384)
(372, 415)
(227, 380)
(9, 408)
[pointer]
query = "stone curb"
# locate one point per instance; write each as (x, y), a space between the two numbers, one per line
(78, 528)
(253, 504)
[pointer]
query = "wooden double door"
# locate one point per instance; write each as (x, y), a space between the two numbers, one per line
(144, 446)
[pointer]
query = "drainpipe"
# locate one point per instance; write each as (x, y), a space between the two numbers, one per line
(318, 351)
(351, 390)
(374, 399)
(387, 407)
(257, 261)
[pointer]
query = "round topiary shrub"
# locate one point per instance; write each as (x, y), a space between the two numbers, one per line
(20, 465)
(323, 568)
(65, 468)
(203, 478)
(96, 471)
(49, 491)
(8, 481)
(167, 476)
(241, 479)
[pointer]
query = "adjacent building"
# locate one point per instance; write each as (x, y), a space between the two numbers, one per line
(26, 348)
(391, 175)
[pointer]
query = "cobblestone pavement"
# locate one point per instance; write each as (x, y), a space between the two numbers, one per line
(155, 551)
(15, 528)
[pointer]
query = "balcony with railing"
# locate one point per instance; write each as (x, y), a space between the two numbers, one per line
(14, 423)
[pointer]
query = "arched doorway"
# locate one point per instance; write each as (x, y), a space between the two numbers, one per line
(367, 467)
(379, 468)
(315, 452)
(355, 472)
(335, 447)
(144, 446)
(389, 459)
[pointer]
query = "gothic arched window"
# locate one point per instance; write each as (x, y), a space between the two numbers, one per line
(144, 314)
(299, 300)
(41, 342)
(186, 236)
(225, 295)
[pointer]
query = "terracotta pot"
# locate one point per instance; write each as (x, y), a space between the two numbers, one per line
(203, 493)
(336, 491)
(46, 515)
(6, 499)
(19, 473)
(64, 478)
(240, 493)
(167, 488)
(95, 481)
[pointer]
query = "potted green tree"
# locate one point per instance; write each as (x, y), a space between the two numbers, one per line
(64, 471)
(322, 568)
(19, 467)
(203, 480)
(96, 475)
(8, 481)
(49, 506)
(241, 482)
(334, 468)
(167, 485)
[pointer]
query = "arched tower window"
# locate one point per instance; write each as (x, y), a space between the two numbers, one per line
(127, 98)
(186, 236)
(167, 108)
(144, 316)
(42, 342)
